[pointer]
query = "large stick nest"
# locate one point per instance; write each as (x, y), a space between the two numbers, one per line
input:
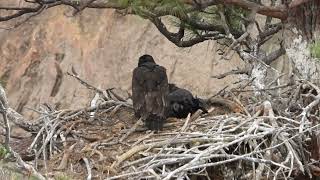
(276, 138)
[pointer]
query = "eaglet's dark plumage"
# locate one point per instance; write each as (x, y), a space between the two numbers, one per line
(149, 90)
(181, 102)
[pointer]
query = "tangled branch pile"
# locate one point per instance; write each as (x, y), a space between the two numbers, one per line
(275, 138)
(272, 146)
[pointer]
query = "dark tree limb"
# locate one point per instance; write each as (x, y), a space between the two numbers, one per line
(176, 38)
(274, 55)
(270, 31)
(211, 27)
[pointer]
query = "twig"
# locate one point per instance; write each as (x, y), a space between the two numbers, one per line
(86, 161)
(64, 161)
(3, 109)
(232, 72)
(265, 89)
(27, 167)
(130, 131)
(185, 125)
(87, 85)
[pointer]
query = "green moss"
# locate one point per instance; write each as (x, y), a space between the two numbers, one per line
(76, 1)
(145, 8)
(315, 49)
(62, 177)
(3, 152)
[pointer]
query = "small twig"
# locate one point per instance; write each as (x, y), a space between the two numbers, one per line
(87, 85)
(240, 104)
(86, 161)
(44, 154)
(219, 92)
(64, 161)
(26, 167)
(118, 97)
(266, 89)
(232, 72)
(185, 125)
(130, 131)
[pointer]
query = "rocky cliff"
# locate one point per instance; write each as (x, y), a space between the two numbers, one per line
(103, 46)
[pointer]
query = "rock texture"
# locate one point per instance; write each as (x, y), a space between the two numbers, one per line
(103, 47)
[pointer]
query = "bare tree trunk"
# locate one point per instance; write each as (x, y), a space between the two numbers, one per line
(3, 111)
(305, 66)
(306, 17)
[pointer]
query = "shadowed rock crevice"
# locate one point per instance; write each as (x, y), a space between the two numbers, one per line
(58, 81)
(23, 101)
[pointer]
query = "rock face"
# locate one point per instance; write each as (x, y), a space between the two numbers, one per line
(103, 47)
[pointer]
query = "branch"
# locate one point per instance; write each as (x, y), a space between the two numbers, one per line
(4, 111)
(21, 122)
(86, 161)
(26, 167)
(3, 98)
(274, 55)
(245, 70)
(176, 38)
(211, 27)
(14, 116)
(87, 85)
(270, 31)
(245, 35)
(21, 12)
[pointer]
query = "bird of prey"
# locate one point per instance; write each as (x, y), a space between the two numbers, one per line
(149, 90)
(181, 102)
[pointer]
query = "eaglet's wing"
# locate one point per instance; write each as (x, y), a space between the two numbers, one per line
(157, 90)
(138, 92)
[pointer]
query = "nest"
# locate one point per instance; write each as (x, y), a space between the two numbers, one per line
(269, 139)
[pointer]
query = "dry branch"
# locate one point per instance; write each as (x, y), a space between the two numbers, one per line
(86, 161)
(23, 166)
(64, 160)
(83, 82)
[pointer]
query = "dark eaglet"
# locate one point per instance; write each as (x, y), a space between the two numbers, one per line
(181, 102)
(149, 90)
